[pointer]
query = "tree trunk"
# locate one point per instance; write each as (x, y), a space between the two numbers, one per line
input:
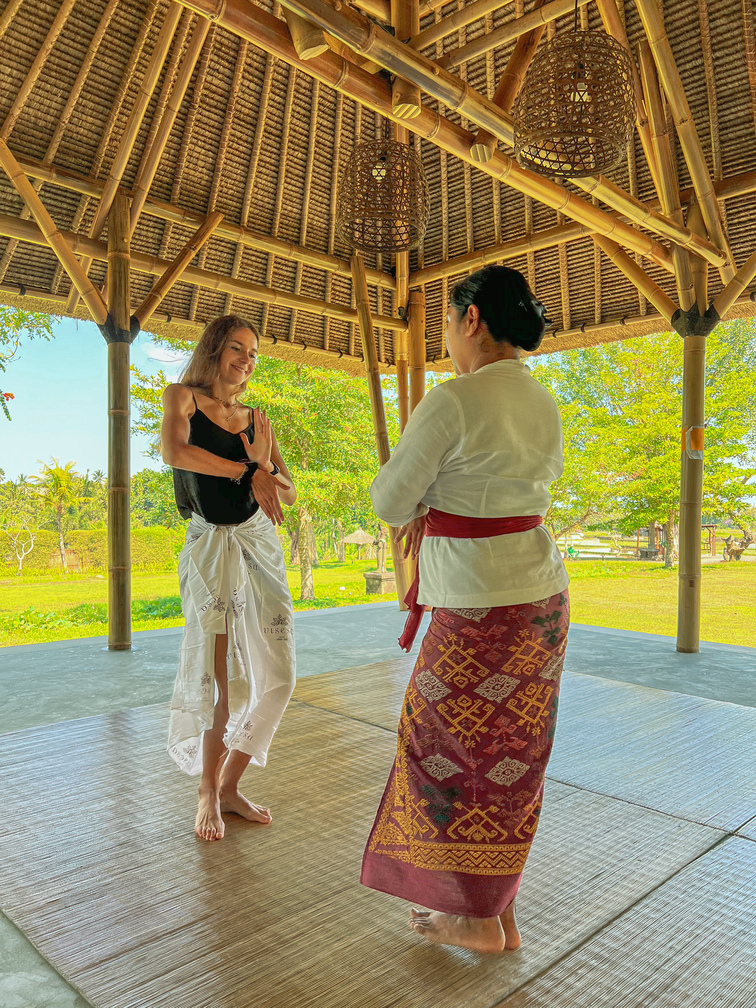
(61, 544)
(313, 544)
(340, 547)
(304, 529)
(294, 547)
(670, 541)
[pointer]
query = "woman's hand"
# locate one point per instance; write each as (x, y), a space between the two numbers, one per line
(265, 490)
(412, 533)
(259, 450)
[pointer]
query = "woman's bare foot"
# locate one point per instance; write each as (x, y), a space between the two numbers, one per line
(209, 825)
(234, 801)
(509, 924)
(480, 934)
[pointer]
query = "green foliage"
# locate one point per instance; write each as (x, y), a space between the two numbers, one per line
(14, 325)
(152, 500)
(621, 407)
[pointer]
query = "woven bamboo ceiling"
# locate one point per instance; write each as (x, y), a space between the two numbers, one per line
(204, 106)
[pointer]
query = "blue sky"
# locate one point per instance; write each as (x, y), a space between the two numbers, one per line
(60, 409)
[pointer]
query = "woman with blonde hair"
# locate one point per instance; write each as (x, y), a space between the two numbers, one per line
(236, 669)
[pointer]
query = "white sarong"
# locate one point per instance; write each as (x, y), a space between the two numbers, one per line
(232, 580)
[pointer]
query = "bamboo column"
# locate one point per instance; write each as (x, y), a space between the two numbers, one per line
(118, 337)
(691, 495)
(401, 567)
(405, 97)
(416, 340)
(402, 302)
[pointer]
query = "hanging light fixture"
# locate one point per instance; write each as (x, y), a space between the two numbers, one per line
(575, 112)
(383, 202)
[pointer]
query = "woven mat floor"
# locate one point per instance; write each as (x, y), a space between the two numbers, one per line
(103, 874)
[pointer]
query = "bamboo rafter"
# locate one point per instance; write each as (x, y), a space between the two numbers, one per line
(266, 32)
(308, 40)
(699, 270)
(306, 196)
(149, 166)
(666, 184)
(509, 86)
(444, 26)
(77, 244)
(106, 140)
(669, 75)
(50, 236)
(128, 139)
(732, 291)
(405, 20)
(640, 279)
(749, 37)
(173, 274)
(509, 31)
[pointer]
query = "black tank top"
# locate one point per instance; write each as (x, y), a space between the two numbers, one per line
(217, 499)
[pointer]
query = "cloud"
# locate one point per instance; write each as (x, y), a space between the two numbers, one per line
(164, 354)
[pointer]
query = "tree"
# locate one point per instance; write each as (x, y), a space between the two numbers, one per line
(14, 324)
(152, 500)
(323, 424)
(58, 487)
(622, 411)
(19, 517)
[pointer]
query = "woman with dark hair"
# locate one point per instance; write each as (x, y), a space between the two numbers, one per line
(236, 669)
(468, 482)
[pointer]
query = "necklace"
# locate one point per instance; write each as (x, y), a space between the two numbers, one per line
(233, 406)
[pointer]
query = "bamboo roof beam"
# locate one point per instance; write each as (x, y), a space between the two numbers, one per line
(149, 166)
(614, 26)
(26, 231)
(507, 32)
(227, 230)
(641, 213)
(352, 28)
(65, 116)
(638, 277)
(699, 270)
(508, 87)
(666, 184)
(314, 110)
(732, 291)
(711, 88)
(266, 32)
(127, 141)
(8, 14)
(453, 22)
(749, 37)
(50, 236)
(669, 75)
(380, 9)
(405, 96)
(429, 6)
(36, 68)
(349, 54)
(173, 274)
(308, 39)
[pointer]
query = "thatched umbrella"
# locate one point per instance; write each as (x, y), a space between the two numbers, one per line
(359, 538)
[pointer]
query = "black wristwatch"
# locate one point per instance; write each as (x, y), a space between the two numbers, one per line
(275, 471)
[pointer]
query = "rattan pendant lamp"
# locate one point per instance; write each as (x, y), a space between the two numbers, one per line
(575, 112)
(383, 203)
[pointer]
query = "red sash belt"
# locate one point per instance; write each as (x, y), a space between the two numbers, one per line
(451, 526)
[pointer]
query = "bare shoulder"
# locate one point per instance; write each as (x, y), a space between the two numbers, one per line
(179, 397)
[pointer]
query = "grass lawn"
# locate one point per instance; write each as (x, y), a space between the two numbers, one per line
(625, 596)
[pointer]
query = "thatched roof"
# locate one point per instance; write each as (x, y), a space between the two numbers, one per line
(263, 142)
(359, 538)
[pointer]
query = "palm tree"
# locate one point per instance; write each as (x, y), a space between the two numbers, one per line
(58, 488)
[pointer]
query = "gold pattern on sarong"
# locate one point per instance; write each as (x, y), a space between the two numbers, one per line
(528, 655)
(477, 825)
(466, 718)
(532, 706)
(458, 666)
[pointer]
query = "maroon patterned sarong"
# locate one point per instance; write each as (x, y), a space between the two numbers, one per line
(461, 806)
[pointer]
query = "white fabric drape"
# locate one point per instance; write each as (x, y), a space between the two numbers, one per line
(232, 580)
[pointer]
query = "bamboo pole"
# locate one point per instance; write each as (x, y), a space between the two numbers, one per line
(119, 525)
(232, 232)
(405, 97)
(379, 9)
(691, 494)
(605, 190)
(661, 301)
(309, 41)
(614, 26)
(149, 167)
(698, 268)
(126, 143)
(350, 55)
(669, 75)
(370, 353)
(452, 22)
(265, 32)
(416, 347)
(142, 263)
(402, 303)
(51, 236)
(508, 87)
(727, 298)
(171, 276)
(666, 180)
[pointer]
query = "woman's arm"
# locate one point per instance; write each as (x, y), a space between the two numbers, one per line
(178, 407)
